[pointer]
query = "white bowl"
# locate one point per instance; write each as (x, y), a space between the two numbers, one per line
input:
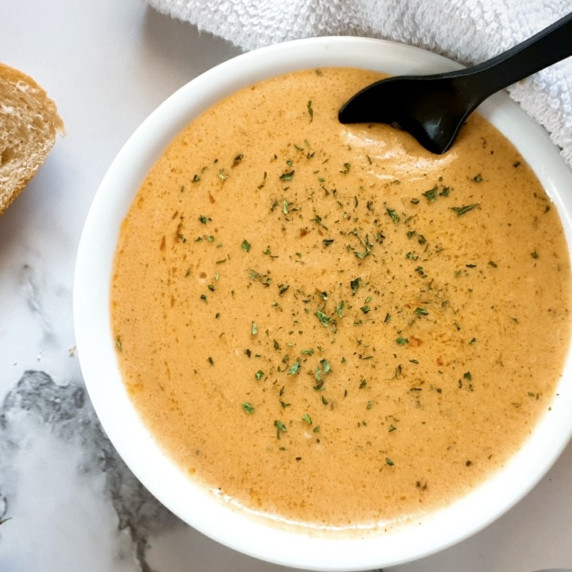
(192, 503)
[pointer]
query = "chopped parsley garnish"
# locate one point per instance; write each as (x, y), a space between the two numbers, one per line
(393, 215)
(248, 408)
(324, 319)
(431, 194)
(295, 368)
(310, 110)
(459, 211)
(280, 428)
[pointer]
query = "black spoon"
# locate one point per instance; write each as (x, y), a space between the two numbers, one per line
(433, 108)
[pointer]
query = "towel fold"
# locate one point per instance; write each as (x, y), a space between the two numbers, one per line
(468, 31)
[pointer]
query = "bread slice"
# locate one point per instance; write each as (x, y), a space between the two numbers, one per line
(29, 124)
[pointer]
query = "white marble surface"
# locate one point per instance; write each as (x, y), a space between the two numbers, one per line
(67, 502)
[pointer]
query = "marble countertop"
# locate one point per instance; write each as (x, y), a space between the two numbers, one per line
(67, 502)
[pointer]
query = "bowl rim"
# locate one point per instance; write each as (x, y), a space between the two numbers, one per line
(190, 501)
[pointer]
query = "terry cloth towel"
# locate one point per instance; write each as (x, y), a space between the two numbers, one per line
(468, 31)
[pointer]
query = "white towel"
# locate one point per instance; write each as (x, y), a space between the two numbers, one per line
(469, 31)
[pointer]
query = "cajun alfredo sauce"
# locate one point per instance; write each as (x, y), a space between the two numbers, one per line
(327, 323)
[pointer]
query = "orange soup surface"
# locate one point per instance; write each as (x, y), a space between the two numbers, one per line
(329, 325)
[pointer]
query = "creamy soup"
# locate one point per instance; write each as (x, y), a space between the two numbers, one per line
(329, 325)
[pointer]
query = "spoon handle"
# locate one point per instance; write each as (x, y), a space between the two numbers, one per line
(549, 46)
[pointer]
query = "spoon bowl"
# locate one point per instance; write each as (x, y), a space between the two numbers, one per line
(433, 108)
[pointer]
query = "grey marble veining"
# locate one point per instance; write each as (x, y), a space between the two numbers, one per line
(37, 405)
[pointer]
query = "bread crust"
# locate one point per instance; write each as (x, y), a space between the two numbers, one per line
(29, 125)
